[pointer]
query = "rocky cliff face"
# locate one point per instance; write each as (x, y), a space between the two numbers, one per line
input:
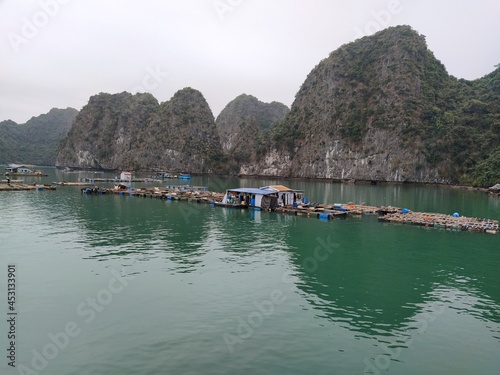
(36, 141)
(124, 131)
(238, 112)
(363, 113)
(381, 108)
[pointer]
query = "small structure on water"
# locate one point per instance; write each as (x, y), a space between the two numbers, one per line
(286, 196)
(126, 176)
(162, 176)
(17, 169)
(258, 199)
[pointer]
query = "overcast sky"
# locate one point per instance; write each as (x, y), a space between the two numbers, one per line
(57, 53)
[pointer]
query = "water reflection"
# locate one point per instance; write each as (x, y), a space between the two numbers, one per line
(378, 281)
(379, 285)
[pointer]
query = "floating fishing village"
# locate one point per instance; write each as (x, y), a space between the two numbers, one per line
(277, 198)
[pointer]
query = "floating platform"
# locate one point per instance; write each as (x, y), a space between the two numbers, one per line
(436, 220)
(21, 187)
(66, 183)
(117, 180)
(26, 174)
(324, 212)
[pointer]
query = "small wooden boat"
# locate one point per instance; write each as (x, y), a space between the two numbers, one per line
(230, 205)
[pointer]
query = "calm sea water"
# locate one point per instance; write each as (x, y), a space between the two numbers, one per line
(122, 285)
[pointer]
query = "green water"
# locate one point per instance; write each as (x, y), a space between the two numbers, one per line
(158, 287)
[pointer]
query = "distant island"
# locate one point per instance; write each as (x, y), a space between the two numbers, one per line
(381, 108)
(36, 141)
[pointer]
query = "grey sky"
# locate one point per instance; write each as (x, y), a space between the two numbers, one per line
(57, 53)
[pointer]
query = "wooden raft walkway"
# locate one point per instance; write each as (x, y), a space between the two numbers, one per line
(387, 214)
(428, 219)
(200, 194)
(20, 187)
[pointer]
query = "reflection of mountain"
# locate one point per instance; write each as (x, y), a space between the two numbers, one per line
(122, 227)
(377, 283)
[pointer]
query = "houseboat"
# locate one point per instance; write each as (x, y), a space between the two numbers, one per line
(286, 196)
(22, 170)
(258, 199)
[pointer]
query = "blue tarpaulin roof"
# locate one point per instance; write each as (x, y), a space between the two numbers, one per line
(251, 191)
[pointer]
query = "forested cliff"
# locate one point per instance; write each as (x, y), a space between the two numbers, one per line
(380, 108)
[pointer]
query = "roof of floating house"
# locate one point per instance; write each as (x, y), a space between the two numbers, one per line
(252, 191)
(280, 188)
(14, 166)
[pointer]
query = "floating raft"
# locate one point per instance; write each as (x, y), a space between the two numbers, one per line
(21, 187)
(443, 221)
(324, 212)
(117, 180)
(66, 183)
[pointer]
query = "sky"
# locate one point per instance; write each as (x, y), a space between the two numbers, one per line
(58, 53)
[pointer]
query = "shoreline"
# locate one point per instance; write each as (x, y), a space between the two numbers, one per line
(312, 179)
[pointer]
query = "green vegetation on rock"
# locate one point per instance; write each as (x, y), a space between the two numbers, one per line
(244, 126)
(125, 131)
(384, 108)
(381, 108)
(36, 141)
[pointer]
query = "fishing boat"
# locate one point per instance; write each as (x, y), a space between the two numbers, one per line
(162, 176)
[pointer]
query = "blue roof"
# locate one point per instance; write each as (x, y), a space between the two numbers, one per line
(252, 191)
